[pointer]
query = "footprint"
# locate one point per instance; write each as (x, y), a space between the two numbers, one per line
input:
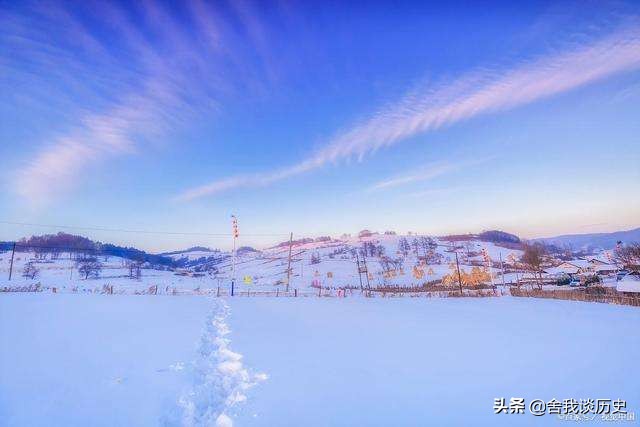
(175, 367)
(178, 366)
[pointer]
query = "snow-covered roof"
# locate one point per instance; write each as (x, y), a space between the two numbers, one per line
(570, 267)
(563, 268)
(581, 265)
(604, 267)
(629, 283)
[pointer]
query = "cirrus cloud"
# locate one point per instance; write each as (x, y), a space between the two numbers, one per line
(477, 93)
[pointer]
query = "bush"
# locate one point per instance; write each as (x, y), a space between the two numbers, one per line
(30, 271)
(592, 280)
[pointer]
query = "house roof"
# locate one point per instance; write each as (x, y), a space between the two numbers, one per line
(629, 283)
(574, 263)
(580, 263)
(565, 268)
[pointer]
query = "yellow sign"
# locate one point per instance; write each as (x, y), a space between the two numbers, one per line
(248, 280)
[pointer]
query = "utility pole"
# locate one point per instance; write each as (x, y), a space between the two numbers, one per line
(366, 271)
(13, 251)
(458, 267)
(289, 261)
(502, 269)
(234, 224)
(359, 271)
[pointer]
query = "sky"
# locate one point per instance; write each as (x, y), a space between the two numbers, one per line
(150, 123)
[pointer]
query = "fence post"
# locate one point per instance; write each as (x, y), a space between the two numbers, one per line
(13, 251)
(295, 292)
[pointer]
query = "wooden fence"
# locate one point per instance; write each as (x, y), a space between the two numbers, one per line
(593, 294)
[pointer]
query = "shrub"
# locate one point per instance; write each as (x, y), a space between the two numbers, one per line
(592, 280)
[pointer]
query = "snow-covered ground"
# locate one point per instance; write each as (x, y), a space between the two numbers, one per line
(160, 360)
(430, 362)
(262, 270)
(63, 274)
(79, 360)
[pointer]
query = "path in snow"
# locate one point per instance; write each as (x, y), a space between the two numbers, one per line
(219, 376)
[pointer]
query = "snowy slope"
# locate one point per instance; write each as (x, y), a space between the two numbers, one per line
(338, 267)
(267, 269)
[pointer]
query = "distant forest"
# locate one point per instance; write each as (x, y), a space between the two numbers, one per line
(64, 242)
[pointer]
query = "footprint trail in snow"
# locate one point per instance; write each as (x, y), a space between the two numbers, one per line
(220, 380)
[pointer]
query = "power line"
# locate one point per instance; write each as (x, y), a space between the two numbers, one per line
(121, 230)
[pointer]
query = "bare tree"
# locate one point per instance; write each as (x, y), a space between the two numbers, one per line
(468, 247)
(403, 246)
(533, 258)
(415, 245)
(135, 270)
(89, 268)
(30, 271)
(628, 255)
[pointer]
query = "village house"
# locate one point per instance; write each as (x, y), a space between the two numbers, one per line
(629, 283)
(591, 265)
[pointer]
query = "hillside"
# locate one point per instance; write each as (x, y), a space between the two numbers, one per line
(593, 240)
(371, 260)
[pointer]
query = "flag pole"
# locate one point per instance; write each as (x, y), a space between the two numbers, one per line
(234, 224)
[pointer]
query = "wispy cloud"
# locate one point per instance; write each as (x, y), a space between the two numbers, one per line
(428, 172)
(482, 91)
(424, 174)
(148, 77)
(96, 137)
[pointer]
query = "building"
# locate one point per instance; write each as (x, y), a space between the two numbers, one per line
(584, 266)
(601, 267)
(629, 283)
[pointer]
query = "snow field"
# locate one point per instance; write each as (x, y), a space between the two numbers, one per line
(78, 360)
(417, 362)
(72, 360)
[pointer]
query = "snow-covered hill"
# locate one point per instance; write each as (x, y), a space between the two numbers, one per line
(390, 260)
(334, 263)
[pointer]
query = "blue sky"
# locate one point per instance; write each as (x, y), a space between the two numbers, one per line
(318, 118)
